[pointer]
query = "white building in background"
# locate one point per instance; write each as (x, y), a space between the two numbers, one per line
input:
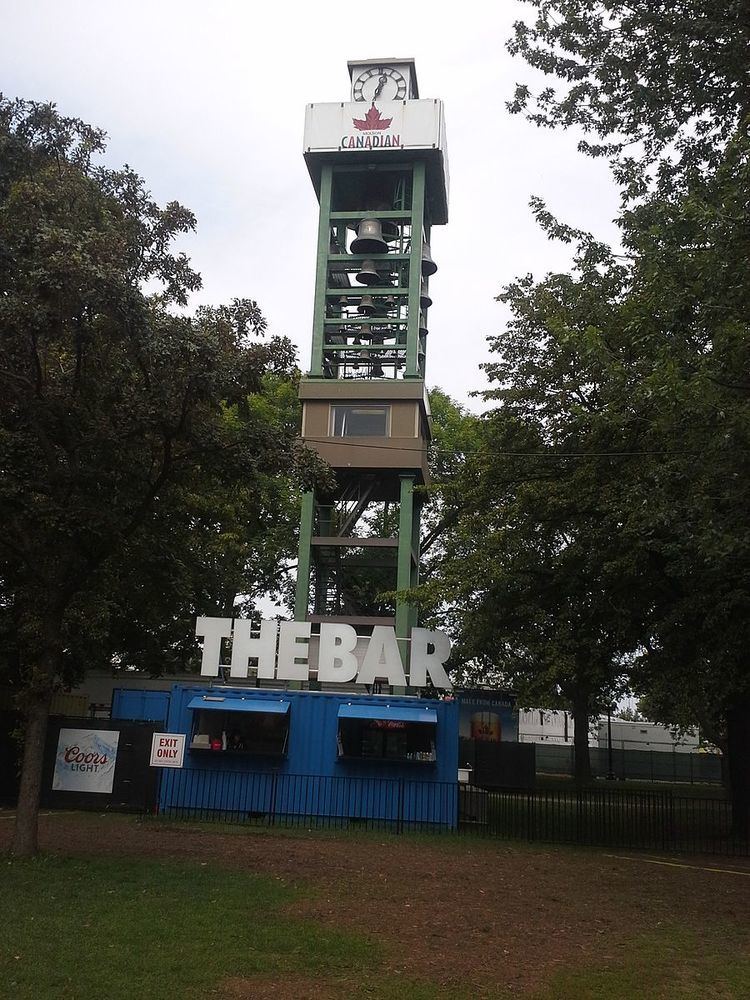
(544, 725)
(645, 736)
(555, 726)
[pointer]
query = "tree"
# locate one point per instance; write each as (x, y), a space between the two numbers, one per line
(455, 437)
(121, 416)
(530, 579)
(629, 714)
(660, 85)
(664, 90)
(224, 543)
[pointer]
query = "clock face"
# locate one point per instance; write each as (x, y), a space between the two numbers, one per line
(379, 83)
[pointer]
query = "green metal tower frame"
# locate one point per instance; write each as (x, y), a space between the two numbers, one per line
(351, 350)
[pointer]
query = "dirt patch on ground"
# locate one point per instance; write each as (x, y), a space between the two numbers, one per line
(488, 917)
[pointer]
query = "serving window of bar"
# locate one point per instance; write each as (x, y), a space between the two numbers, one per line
(388, 738)
(234, 726)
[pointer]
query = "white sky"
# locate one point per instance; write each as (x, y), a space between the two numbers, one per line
(206, 101)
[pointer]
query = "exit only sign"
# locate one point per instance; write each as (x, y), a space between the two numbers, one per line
(167, 750)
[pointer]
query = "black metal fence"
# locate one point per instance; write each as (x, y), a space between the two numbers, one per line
(633, 765)
(606, 817)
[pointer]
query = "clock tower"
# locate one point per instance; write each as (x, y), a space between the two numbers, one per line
(390, 80)
(379, 169)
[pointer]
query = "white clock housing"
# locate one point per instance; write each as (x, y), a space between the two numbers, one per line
(383, 79)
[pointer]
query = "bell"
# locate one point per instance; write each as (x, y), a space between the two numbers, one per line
(424, 299)
(429, 267)
(370, 238)
(367, 305)
(342, 303)
(390, 231)
(376, 370)
(368, 275)
(391, 302)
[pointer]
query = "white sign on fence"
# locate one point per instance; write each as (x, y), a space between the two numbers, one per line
(85, 760)
(167, 750)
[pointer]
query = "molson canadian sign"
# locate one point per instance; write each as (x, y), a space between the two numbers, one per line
(373, 132)
(387, 125)
(287, 651)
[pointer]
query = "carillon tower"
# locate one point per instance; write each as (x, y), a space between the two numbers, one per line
(378, 165)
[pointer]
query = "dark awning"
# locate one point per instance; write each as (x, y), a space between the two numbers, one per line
(397, 713)
(215, 703)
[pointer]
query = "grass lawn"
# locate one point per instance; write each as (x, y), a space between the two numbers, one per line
(119, 929)
(254, 914)
(668, 963)
(127, 928)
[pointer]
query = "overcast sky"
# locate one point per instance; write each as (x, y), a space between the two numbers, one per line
(206, 101)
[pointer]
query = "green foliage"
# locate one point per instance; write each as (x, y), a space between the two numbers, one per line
(528, 579)
(455, 436)
(659, 84)
(237, 531)
(645, 355)
(601, 529)
(149, 456)
(628, 714)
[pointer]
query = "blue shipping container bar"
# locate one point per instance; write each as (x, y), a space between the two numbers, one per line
(310, 753)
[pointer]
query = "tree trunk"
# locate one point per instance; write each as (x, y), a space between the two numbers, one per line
(738, 753)
(25, 834)
(582, 761)
(40, 661)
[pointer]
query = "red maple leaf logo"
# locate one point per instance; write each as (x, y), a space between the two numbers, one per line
(371, 121)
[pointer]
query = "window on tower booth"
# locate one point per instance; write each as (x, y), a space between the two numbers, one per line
(360, 421)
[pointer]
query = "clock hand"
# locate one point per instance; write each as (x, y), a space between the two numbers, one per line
(379, 89)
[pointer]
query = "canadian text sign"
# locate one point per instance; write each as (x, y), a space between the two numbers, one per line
(167, 750)
(392, 124)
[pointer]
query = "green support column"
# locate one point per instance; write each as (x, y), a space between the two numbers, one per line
(415, 270)
(321, 572)
(404, 573)
(302, 595)
(416, 549)
(321, 272)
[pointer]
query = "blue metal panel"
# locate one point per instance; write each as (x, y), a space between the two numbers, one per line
(311, 778)
(211, 702)
(396, 712)
(145, 706)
